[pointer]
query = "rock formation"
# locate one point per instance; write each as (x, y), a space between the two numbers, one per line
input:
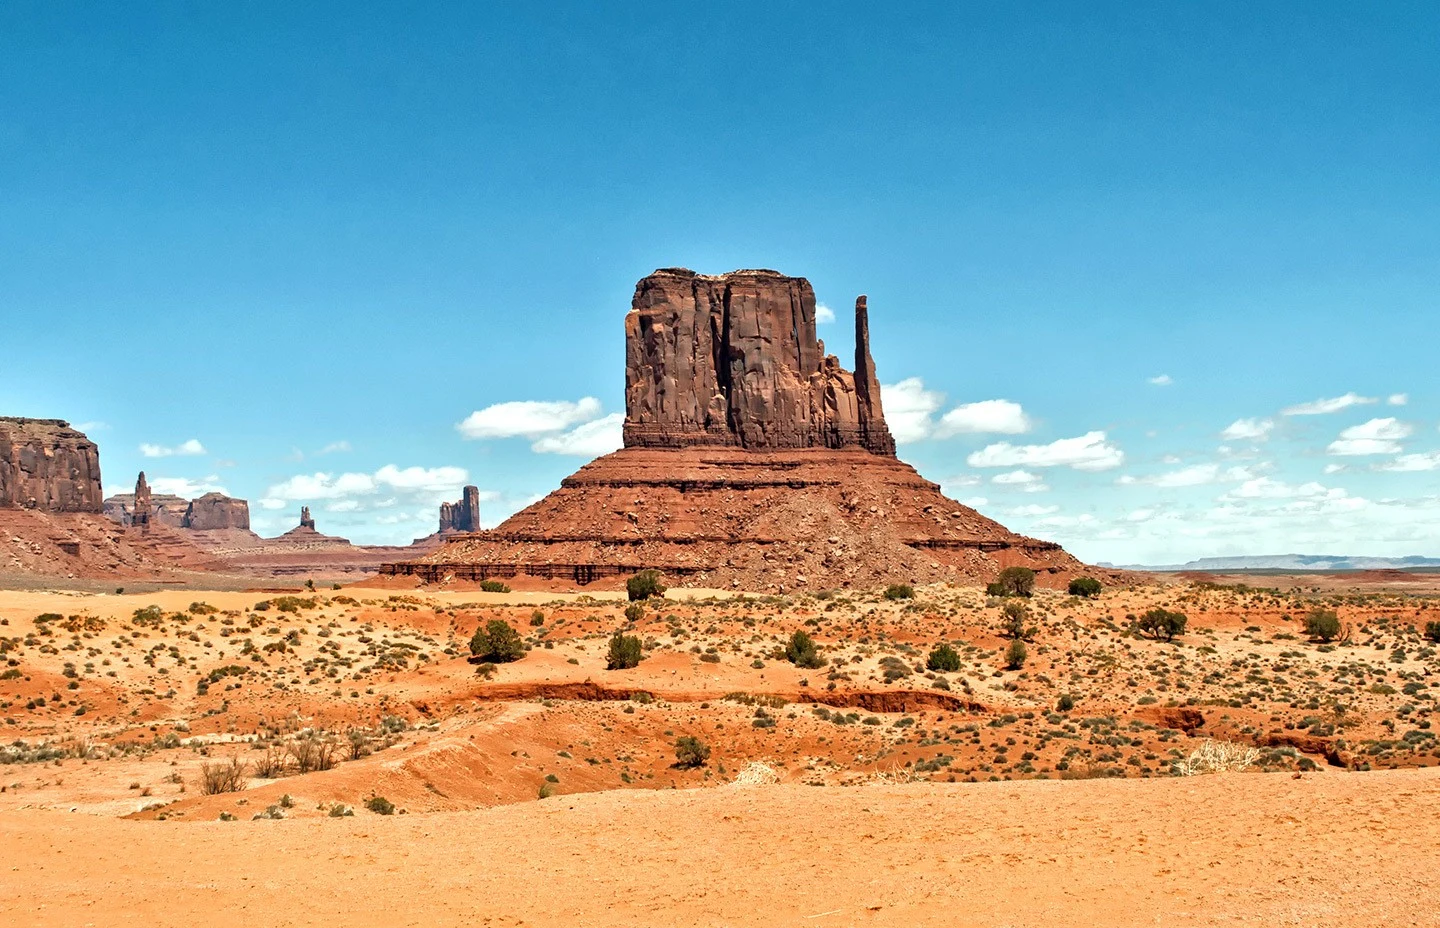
(140, 509)
(217, 511)
(305, 520)
(733, 361)
(47, 465)
(462, 516)
(751, 459)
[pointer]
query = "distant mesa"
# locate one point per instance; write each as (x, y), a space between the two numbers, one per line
(211, 512)
(48, 466)
(751, 459)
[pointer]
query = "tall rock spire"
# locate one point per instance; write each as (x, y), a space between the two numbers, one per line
(874, 433)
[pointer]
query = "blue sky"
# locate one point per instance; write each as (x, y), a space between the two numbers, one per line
(311, 243)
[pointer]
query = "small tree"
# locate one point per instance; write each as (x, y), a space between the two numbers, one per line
(691, 752)
(1323, 624)
(899, 591)
(801, 651)
(1013, 581)
(634, 613)
(1085, 587)
(944, 659)
(497, 642)
(624, 652)
(493, 586)
(1012, 621)
(1015, 655)
(644, 585)
(1432, 632)
(1161, 624)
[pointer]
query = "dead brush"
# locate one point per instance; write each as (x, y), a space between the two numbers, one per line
(223, 777)
(312, 752)
(1216, 757)
(270, 764)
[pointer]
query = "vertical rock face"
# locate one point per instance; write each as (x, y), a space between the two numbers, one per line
(47, 465)
(217, 511)
(305, 520)
(734, 360)
(462, 516)
(142, 508)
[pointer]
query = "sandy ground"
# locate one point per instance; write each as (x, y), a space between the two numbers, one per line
(1262, 849)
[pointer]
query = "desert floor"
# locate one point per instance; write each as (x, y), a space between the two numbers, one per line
(1230, 849)
(382, 774)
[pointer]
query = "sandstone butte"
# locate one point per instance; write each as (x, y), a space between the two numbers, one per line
(751, 459)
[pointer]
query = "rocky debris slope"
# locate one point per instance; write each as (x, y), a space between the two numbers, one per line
(47, 465)
(734, 360)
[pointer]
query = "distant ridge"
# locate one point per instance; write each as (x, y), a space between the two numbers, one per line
(1290, 562)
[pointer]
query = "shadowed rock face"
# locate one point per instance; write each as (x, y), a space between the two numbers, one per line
(462, 516)
(47, 465)
(217, 511)
(733, 360)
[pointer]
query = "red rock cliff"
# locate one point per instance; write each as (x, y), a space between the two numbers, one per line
(733, 360)
(47, 465)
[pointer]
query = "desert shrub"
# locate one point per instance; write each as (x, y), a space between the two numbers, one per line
(202, 609)
(150, 615)
(380, 805)
(1087, 587)
(293, 603)
(1013, 581)
(1015, 655)
(493, 586)
(1161, 624)
(1012, 621)
(1432, 632)
(899, 591)
(634, 612)
(270, 764)
(1065, 703)
(497, 642)
(691, 752)
(1323, 624)
(624, 652)
(340, 810)
(944, 659)
(537, 618)
(801, 651)
(222, 777)
(312, 753)
(644, 585)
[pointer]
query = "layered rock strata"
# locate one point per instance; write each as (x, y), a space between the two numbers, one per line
(751, 460)
(461, 516)
(47, 465)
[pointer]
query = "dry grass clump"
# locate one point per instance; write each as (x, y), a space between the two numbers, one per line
(756, 774)
(1217, 757)
(223, 777)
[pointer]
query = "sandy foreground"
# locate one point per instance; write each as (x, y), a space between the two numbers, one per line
(1262, 849)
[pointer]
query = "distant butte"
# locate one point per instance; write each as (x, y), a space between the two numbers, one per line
(752, 459)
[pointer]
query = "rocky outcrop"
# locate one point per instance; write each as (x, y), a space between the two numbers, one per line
(305, 519)
(462, 516)
(47, 465)
(733, 360)
(752, 460)
(217, 511)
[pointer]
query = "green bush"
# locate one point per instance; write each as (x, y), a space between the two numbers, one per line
(801, 651)
(493, 586)
(497, 642)
(634, 612)
(1012, 621)
(624, 652)
(691, 752)
(944, 659)
(1015, 655)
(537, 618)
(1323, 624)
(1087, 587)
(1432, 632)
(1013, 581)
(380, 805)
(1161, 624)
(644, 585)
(1066, 703)
(899, 591)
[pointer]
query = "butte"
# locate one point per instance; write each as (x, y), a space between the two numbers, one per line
(751, 459)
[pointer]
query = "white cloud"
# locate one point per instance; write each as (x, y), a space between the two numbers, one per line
(1323, 406)
(1192, 476)
(1031, 511)
(1140, 515)
(184, 449)
(1412, 463)
(1021, 480)
(987, 416)
(589, 440)
(336, 446)
(1398, 399)
(92, 427)
(186, 488)
(1378, 436)
(1248, 430)
(528, 418)
(1268, 488)
(1089, 452)
(824, 314)
(412, 485)
(975, 502)
(1162, 380)
(908, 407)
